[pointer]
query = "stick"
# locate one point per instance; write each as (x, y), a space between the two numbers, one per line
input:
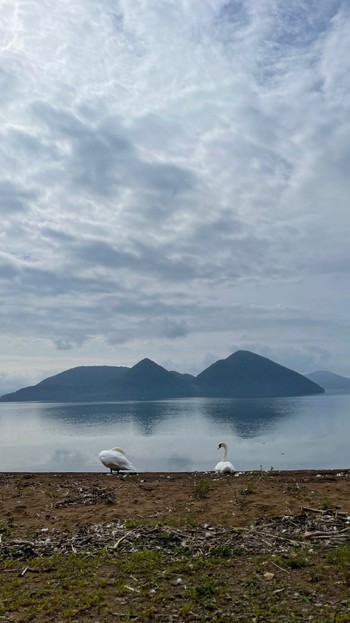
(313, 510)
(280, 568)
(122, 539)
(130, 588)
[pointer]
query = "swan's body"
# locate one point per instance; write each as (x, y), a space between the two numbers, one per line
(116, 460)
(224, 466)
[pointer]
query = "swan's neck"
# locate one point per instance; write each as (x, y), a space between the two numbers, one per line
(225, 452)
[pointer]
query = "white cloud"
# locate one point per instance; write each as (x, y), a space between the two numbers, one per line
(174, 181)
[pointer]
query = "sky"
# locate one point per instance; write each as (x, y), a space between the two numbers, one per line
(174, 184)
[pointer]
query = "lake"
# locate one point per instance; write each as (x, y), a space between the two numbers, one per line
(308, 432)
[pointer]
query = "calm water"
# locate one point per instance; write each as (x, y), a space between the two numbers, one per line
(310, 432)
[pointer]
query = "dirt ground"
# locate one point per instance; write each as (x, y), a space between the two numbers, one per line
(258, 547)
(47, 500)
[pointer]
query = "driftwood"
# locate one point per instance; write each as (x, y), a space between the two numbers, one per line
(86, 497)
(323, 511)
(278, 535)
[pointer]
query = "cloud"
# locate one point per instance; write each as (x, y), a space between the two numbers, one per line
(173, 179)
(13, 198)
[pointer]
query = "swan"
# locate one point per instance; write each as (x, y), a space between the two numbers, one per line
(224, 466)
(116, 460)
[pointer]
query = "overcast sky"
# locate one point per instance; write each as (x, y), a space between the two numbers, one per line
(174, 184)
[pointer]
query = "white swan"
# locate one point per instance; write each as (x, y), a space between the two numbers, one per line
(224, 466)
(116, 460)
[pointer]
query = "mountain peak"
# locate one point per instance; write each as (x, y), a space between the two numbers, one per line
(146, 363)
(245, 374)
(243, 354)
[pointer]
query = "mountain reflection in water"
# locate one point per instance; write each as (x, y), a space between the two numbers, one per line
(177, 435)
(246, 418)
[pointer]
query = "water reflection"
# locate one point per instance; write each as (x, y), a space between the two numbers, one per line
(63, 460)
(246, 418)
(177, 435)
(250, 418)
(145, 416)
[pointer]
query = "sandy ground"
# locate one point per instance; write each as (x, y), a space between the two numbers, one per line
(30, 502)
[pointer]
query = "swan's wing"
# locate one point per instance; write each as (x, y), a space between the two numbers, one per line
(111, 459)
(107, 457)
(224, 467)
(125, 463)
(228, 467)
(115, 460)
(219, 466)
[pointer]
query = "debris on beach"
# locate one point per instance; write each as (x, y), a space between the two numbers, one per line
(327, 528)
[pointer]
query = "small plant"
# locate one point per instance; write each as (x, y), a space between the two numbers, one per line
(201, 489)
(187, 607)
(296, 562)
(5, 530)
(109, 498)
(340, 558)
(222, 551)
(262, 473)
(326, 504)
(132, 523)
(250, 582)
(341, 618)
(203, 590)
(249, 489)
(293, 487)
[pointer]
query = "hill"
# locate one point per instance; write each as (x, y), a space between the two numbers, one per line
(74, 385)
(149, 381)
(242, 375)
(330, 381)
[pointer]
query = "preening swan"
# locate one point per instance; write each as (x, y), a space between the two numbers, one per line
(224, 466)
(116, 460)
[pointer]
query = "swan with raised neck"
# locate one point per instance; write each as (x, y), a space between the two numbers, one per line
(224, 466)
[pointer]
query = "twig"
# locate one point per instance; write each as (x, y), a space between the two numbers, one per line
(131, 588)
(330, 536)
(280, 568)
(322, 511)
(32, 570)
(122, 539)
(279, 590)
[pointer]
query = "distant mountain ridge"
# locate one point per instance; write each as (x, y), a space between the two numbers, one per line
(81, 383)
(241, 375)
(330, 381)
